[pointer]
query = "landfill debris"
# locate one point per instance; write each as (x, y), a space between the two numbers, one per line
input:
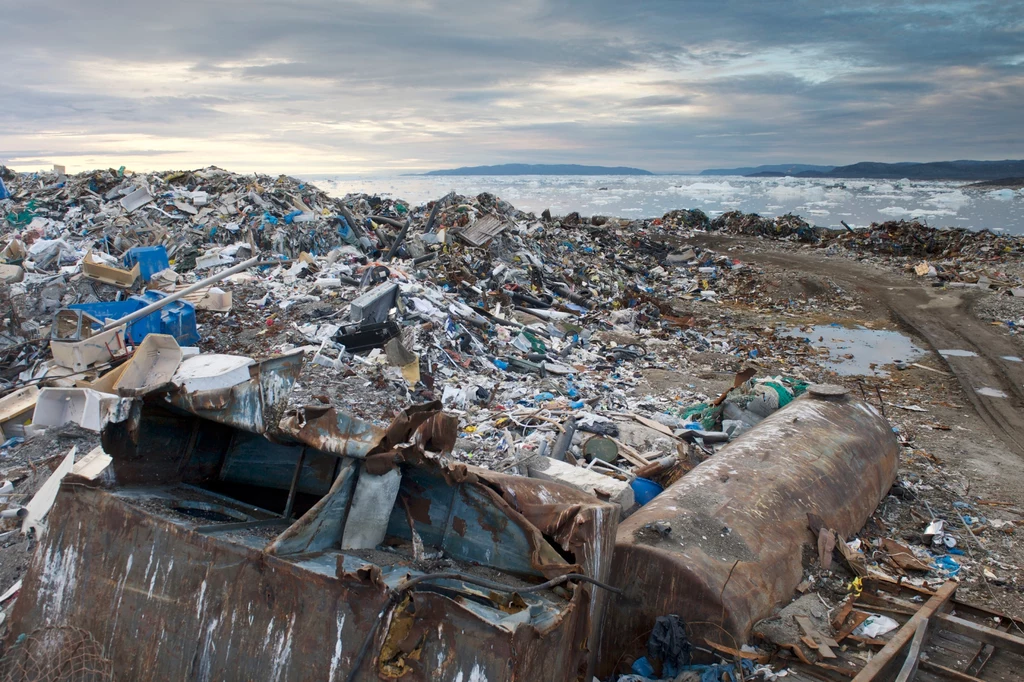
(616, 357)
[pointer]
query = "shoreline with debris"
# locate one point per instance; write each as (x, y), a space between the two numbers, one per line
(578, 350)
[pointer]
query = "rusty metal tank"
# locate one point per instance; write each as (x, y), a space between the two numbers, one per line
(739, 524)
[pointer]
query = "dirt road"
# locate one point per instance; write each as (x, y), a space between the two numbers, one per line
(992, 383)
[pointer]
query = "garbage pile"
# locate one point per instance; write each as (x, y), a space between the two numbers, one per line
(542, 338)
(752, 224)
(951, 255)
(534, 332)
(911, 238)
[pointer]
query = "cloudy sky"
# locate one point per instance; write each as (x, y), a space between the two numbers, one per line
(368, 86)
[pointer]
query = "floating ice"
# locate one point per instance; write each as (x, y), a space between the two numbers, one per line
(857, 201)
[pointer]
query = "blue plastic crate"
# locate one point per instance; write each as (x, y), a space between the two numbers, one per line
(177, 318)
(151, 260)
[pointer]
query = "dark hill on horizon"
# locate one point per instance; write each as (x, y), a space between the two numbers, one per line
(541, 169)
(935, 170)
(769, 170)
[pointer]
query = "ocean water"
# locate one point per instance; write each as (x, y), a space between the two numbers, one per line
(823, 202)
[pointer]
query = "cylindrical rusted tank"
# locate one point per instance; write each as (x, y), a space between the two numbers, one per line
(739, 523)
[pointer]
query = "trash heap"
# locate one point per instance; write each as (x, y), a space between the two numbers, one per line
(534, 332)
(544, 337)
(956, 256)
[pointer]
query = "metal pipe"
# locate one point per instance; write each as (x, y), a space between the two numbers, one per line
(564, 440)
(393, 222)
(171, 298)
(398, 241)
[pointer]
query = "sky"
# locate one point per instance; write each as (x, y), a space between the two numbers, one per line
(387, 86)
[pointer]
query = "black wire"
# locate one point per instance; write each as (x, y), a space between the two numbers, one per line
(412, 582)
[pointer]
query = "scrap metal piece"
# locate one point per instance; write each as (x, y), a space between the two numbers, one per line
(739, 522)
(330, 430)
(175, 559)
(372, 307)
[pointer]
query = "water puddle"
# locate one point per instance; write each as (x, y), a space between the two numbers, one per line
(852, 352)
(956, 353)
(990, 392)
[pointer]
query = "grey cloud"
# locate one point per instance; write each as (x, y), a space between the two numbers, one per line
(661, 84)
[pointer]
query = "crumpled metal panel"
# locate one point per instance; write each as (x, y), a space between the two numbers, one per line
(175, 603)
(739, 523)
(257, 405)
(170, 604)
(330, 430)
(581, 528)
(422, 427)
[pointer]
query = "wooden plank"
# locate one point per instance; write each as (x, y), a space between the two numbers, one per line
(837, 622)
(880, 663)
(651, 424)
(482, 231)
(984, 653)
(846, 672)
(629, 454)
(737, 653)
(987, 615)
(855, 622)
(997, 638)
(948, 672)
(909, 670)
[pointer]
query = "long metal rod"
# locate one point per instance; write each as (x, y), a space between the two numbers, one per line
(287, 513)
(170, 298)
(241, 525)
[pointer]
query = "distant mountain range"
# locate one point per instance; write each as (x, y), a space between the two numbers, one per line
(936, 170)
(541, 169)
(775, 169)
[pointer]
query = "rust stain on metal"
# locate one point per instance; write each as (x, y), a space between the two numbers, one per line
(739, 522)
(329, 430)
(189, 601)
(419, 508)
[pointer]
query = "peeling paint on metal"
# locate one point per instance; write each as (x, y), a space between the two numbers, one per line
(57, 582)
(282, 650)
(338, 645)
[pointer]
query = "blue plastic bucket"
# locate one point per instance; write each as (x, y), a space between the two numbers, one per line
(645, 490)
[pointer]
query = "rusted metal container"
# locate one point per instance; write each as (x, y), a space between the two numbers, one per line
(739, 524)
(194, 567)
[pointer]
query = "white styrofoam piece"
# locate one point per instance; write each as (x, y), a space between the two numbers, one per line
(154, 363)
(83, 406)
(136, 199)
(79, 355)
(39, 506)
(614, 490)
(93, 464)
(208, 371)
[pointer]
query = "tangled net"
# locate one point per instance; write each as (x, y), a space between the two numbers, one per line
(56, 654)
